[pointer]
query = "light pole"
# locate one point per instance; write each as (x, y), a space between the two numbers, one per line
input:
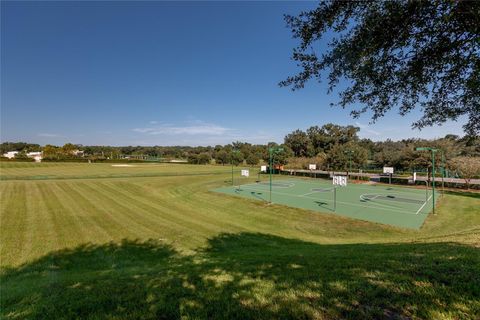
(443, 173)
(234, 151)
(271, 152)
(349, 160)
(433, 150)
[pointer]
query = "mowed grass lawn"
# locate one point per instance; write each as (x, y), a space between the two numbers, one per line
(92, 241)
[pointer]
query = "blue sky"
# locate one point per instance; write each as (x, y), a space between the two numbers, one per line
(162, 73)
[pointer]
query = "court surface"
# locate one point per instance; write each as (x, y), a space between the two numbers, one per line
(393, 205)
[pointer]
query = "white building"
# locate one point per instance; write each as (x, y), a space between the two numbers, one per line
(10, 154)
(35, 155)
(78, 153)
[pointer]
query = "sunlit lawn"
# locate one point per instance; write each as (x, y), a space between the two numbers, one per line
(150, 242)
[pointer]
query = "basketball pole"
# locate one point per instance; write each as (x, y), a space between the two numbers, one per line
(433, 179)
(443, 173)
(334, 198)
(270, 172)
(234, 151)
(231, 162)
(433, 150)
(270, 151)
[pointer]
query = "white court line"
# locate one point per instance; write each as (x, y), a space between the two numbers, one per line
(285, 185)
(376, 195)
(309, 193)
(356, 186)
(423, 205)
(347, 203)
(317, 191)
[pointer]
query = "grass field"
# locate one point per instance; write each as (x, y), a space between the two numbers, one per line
(93, 241)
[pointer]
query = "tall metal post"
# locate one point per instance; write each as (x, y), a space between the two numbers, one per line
(233, 152)
(334, 198)
(231, 161)
(433, 150)
(443, 173)
(270, 171)
(433, 179)
(350, 160)
(271, 154)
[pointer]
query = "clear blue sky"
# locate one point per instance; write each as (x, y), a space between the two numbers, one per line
(162, 73)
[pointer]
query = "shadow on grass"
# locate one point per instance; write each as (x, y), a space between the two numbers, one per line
(247, 276)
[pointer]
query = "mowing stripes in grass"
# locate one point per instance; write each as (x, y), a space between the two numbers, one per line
(166, 247)
(159, 211)
(92, 224)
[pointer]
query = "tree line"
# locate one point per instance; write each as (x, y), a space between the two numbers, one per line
(330, 147)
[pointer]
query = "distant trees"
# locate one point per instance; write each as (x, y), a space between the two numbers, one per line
(221, 157)
(19, 146)
(340, 146)
(236, 157)
(51, 152)
(279, 158)
(330, 147)
(204, 158)
(299, 143)
(68, 149)
(201, 158)
(333, 142)
(252, 159)
(22, 155)
(319, 139)
(467, 167)
(344, 156)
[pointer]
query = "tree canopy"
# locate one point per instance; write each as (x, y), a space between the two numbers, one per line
(399, 54)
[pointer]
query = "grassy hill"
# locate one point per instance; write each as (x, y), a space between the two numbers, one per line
(93, 241)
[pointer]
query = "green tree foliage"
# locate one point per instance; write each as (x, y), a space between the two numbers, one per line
(204, 158)
(22, 155)
(236, 157)
(298, 142)
(200, 158)
(279, 158)
(323, 138)
(51, 152)
(18, 146)
(252, 159)
(467, 167)
(68, 148)
(340, 155)
(396, 54)
(221, 157)
(327, 141)
(324, 145)
(303, 163)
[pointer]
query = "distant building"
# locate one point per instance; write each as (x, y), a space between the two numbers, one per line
(35, 155)
(10, 154)
(78, 153)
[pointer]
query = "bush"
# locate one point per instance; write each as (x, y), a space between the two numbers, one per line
(204, 158)
(252, 159)
(304, 162)
(17, 159)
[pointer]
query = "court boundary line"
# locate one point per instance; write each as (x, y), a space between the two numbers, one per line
(423, 205)
(342, 202)
(359, 186)
(377, 203)
(286, 185)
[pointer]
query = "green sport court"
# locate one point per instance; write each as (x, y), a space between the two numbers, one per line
(393, 205)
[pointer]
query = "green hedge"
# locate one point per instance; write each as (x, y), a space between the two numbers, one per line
(438, 183)
(17, 159)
